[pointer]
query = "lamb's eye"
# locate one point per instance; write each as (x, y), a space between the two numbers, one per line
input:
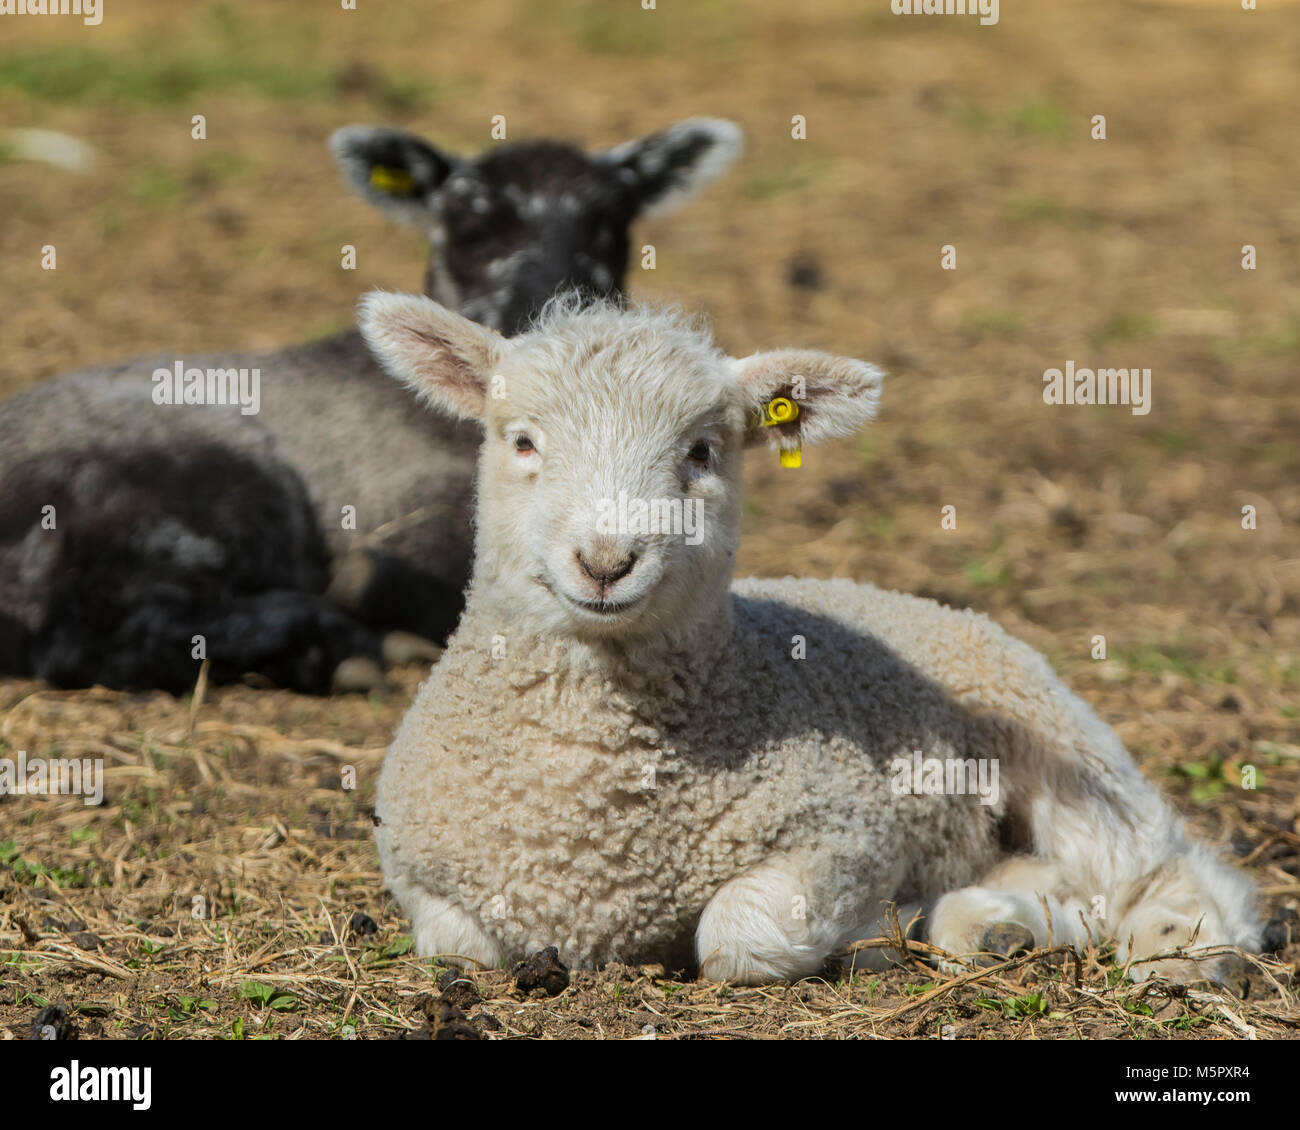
(524, 445)
(700, 452)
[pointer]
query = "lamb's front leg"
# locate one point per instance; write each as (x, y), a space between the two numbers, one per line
(1189, 902)
(778, 921)
(442, 929)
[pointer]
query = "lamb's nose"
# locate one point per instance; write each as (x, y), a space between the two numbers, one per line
(604, 568)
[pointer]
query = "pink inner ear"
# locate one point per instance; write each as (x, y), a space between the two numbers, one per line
(466, 392)
(751, 374)
(454, 376)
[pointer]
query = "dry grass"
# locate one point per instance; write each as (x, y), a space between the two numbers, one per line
(216, 888)
(1072, 523)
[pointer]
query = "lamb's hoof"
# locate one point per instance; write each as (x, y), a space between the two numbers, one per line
(406, 647)
(1007, 939)
(359, 674)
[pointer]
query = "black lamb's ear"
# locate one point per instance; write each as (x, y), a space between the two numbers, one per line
(395, 170)
(670, 166)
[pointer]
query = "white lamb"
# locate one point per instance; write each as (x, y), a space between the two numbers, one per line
(620, 751)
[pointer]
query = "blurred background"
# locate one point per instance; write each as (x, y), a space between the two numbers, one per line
(1072, 522)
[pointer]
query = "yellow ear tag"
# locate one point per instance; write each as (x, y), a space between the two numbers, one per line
(781, 410)
(396, 182)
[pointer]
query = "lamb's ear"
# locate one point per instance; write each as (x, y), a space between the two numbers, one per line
(832, 396)
(395, 170)
(669, 167)
(446, 359)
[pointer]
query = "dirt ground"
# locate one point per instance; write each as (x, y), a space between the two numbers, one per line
(228, 887)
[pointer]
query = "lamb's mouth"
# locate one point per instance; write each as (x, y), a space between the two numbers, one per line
(608, 610)
(605, 608)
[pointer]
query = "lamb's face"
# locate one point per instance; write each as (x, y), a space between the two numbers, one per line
(522, 223)
(610, 473)
(526, 220)
(610, 478)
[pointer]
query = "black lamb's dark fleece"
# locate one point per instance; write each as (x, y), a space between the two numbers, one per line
(155, 547)
(219, 520)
